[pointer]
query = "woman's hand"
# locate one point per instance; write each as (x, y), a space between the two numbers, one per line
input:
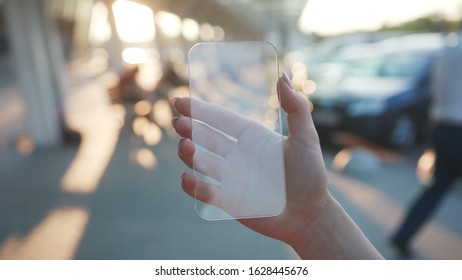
(310, 211)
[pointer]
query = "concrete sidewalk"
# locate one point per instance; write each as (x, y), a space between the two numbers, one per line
(133, 213)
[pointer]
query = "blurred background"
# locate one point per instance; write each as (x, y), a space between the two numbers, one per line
(88, 164)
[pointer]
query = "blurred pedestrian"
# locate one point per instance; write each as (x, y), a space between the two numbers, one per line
(128, 87)
(446, 118)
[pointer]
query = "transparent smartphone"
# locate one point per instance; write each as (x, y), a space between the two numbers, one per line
(237, 131)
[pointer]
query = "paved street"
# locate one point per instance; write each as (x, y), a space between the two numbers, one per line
(109, 199)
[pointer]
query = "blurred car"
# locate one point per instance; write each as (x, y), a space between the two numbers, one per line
(380, 91)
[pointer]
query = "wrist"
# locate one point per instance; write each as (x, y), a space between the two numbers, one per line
(332, 234)
(312, 228)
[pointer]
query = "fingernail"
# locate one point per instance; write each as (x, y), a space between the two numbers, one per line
(287, 79)
(174, 120)
(182, 176)
(180, 142)
(173, 101)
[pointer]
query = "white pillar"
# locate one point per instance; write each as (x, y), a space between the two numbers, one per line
(36, 72)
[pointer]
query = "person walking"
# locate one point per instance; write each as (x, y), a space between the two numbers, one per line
(446, 118)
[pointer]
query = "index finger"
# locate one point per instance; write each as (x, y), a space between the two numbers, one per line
(214, 115)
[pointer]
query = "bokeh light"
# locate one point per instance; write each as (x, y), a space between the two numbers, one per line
(146, 158)
(100, 30)
(152, 134)
(190, 29)
(142, 108)
(309, 87)
(207, 32)
(162, 113)
(273, 101)
(134, 55)
(25, 145)
(134, 22)
(170, 24)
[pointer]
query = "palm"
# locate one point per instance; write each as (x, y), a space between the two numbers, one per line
(303, 194)
(244, 159)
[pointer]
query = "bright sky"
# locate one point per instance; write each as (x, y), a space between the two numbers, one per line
(329, 17)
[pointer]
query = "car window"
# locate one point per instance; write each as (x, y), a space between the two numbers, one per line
(405, 64)
(397, 64)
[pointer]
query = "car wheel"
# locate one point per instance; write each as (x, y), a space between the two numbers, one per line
(403, 133)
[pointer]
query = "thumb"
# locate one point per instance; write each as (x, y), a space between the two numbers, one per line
(301, 127)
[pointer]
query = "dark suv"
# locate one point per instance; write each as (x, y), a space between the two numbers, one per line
(382, 94)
